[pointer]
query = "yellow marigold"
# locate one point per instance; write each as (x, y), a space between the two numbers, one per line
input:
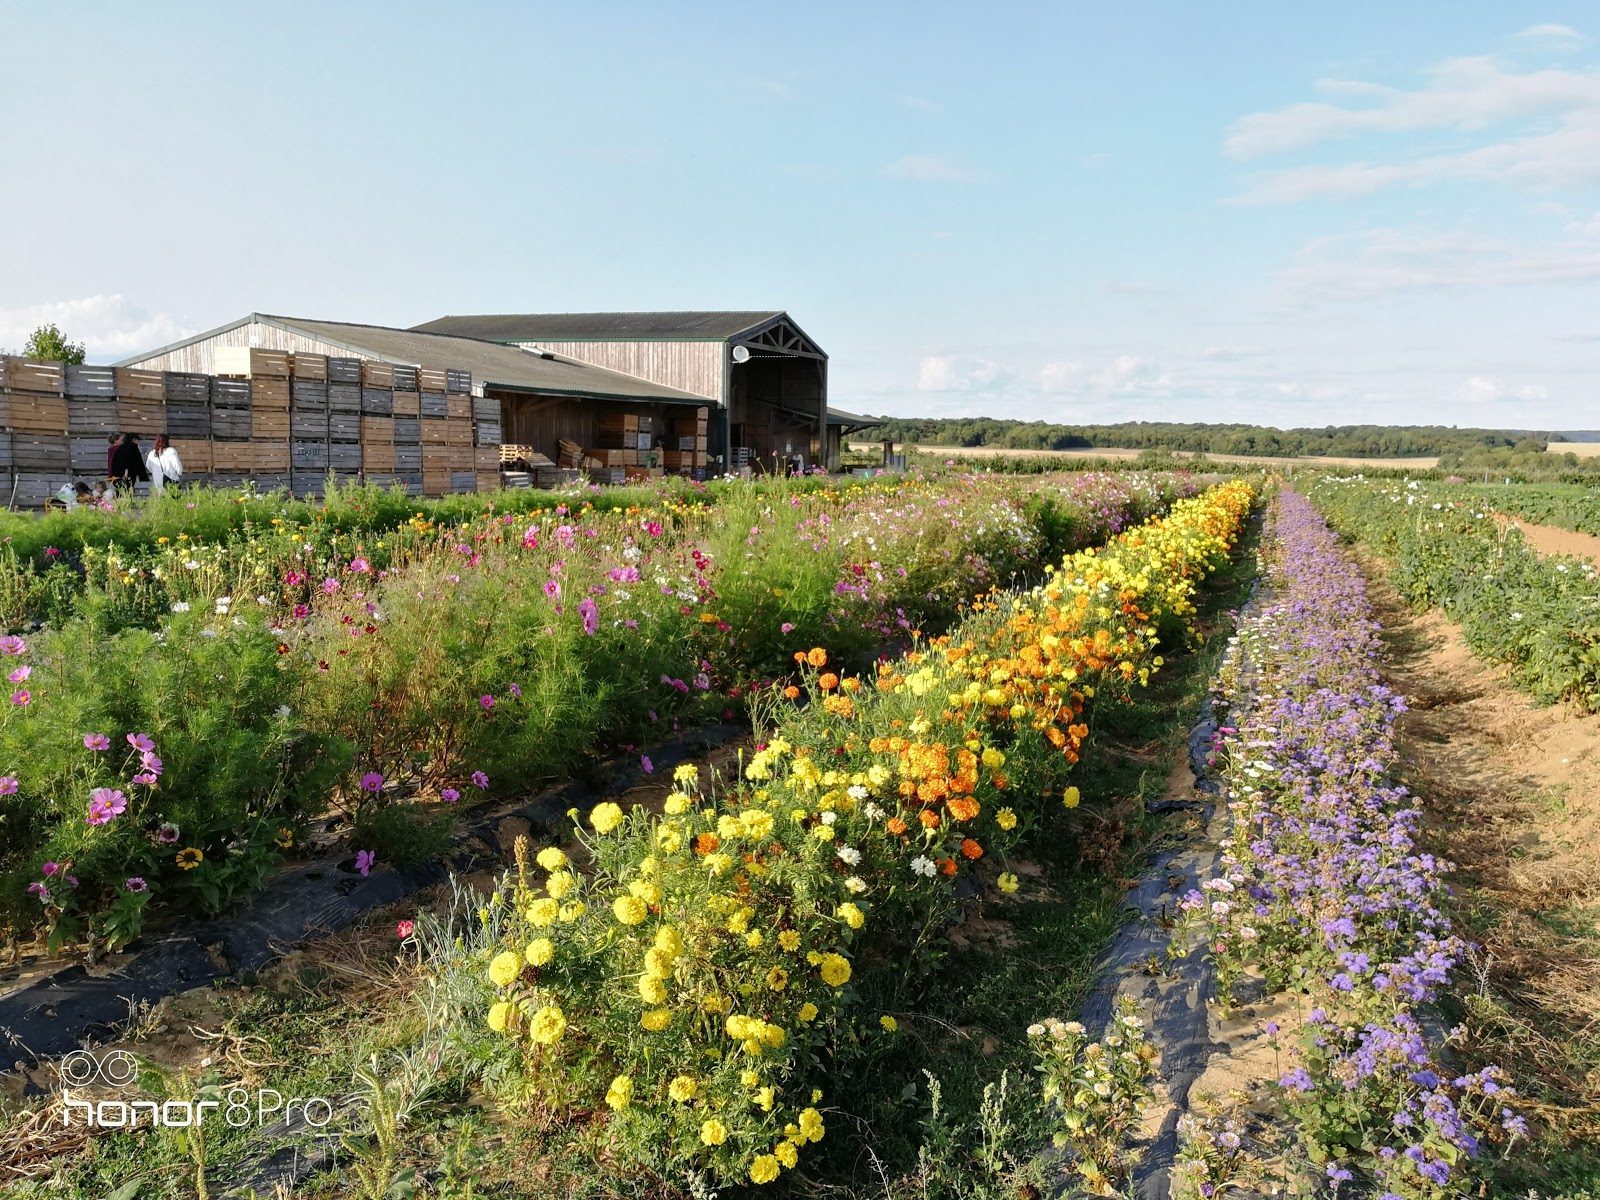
(605, 817)
(548, 1024)
(669, 941)
(753, 939)
(543, 911)
(1006, 819)
(683, 1088)
(850, 915)
(669, 838)
(749, 1078)
(764, 1169)
(786, 1154)
(807, 1013)
(676, 805)
(777, 979)
(620, 1094)
(719, 864)
(789, 940)
(835, 970)
(552, 858)
(499, 1016)
(657, 964)
(560, 884)
(889, 1023)
(685, 773)
(504, 969)
(1070, 797)
(993, 759)
(811, 1126)
(630, 910)
(1007, 883)
(646, 889)
(765, 1098)
(569, 913)
(656, 1019)
(652, 990)
(713, 1132)
(539, 951)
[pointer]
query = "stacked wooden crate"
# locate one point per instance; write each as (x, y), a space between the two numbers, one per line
(91, 395)
(685, 446)
(487, 436)
(251, 419)
(616, 449)
(433, 461)
(37, 453)
(458, 432)
(308, 424)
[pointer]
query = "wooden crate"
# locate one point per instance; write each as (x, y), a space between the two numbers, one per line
(231, 393)
(344, 397)
(33, 489)
(144, 417)
(250, 362)
(88, 456)
(305, 456)
(86, 416)
(485, 408)
(186, 420)
(430, 380)
(458, 433)
(41, 452)
(407, 458)
(407, 431)
(309, 425)
(486, 458)
(344, 427)
(489, 481)
(30, 375)
(458, 408)
(251, 456)
(463, 481)
(377, 401)
(607, 456)
(377, 375)
(619, 423)
(435, 483)
(136, 384)
(377, 457)
(434, 405)
(377, 429)
(407, 404)
(270, 426)
(344, 370)
(458, 382)
(269, 393)
(310, 367)
(309, 395)
(83, 380)
(693, 427)
(306, 484)
(435, 433)
(227, 424)
(405, 379)
(194, 454)
(38, 413)
(486, 433)
(186, 387)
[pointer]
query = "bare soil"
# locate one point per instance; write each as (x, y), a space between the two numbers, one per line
(1551, 539)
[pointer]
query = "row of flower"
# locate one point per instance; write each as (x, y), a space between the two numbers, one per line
(1539, 615)
(1324, 889)
(699, 973)
(482, 659)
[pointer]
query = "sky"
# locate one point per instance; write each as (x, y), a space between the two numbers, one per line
(1287, 214)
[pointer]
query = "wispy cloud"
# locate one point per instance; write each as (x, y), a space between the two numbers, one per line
(931, 168)
(1464, 96)
(1553, 37)
(960, 373)
(917, 103)
(109, 326)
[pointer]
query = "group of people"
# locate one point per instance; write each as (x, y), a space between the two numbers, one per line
(127, 464)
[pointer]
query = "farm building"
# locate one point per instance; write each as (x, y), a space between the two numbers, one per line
(841, 425)
(767, 380)
(550, 410)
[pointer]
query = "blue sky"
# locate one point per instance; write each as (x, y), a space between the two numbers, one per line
(1288, 214)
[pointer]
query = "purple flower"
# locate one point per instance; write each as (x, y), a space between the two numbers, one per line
(372, 781)
(590, 612)
(137, 884)
(20, 675)
(8, 785)
(21, 697)
(96, 741)
(145, 779)
(514, 690)
(141, 742)
(480, 780)
(105, 804)
(486, 702)
(646, 765)
(786, 627)
(168, 834)
(49, 869)
(12, 644)
(151, 763)
(449, 795)
(364, 861)
(39, 890)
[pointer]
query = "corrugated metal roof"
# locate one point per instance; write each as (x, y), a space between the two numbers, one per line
(490, 362)
(837, 416)
(603, 327)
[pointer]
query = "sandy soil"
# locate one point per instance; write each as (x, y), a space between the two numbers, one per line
(1549, 539)
(1113, 452)
(1581, 449)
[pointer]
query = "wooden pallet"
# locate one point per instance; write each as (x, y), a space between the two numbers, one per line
(310, 367)
(194, 454)
(37, 413)
(30, 375)
(136, 384)
(83, 380)
(407, 404)
(250, 362)
(458, 382)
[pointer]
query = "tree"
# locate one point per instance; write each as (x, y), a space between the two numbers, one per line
(47, 343)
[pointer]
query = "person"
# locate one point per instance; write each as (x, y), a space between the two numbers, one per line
(127, 464)
(74, 495)
(111, 452)
(163, 464)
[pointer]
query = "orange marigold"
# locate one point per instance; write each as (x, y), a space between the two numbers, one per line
(828, 681)
(896, 825)
(817, 657)
(791, 692)
(929, 818)
(963, 808)
(706, 843)
(947, 866)
(971, 849)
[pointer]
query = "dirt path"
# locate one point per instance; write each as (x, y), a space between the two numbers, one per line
(1513, 795)
(1551, 539)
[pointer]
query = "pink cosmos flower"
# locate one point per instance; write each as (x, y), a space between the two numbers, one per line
(552, 588)
(52, 552)
(293, 578)
(151, 763)
(372, 781)
(21, 697)
(96, 741)
(8, 785)
(364, 861)
(12, 644)
(145, 779)
(404, 929)
(786, 627)
(49, 869)
(449, 795)
(486, 702)
(20, 675)
(105, 804)
(141, 742)
(515, 691)
(590, 612)
(646, 765)
(359, 566)
(480, 780)
(330, 586)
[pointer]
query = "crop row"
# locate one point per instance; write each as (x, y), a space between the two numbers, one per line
(1325, 889)
(1539, 615)
(697, 974)
(182, 754)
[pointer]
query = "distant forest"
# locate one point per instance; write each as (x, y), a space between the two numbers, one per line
(1366, 441)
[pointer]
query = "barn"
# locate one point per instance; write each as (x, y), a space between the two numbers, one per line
(766, 379)
(625, 425)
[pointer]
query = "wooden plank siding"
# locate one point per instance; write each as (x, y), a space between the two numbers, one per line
(688, 366)
(198, 356)
(542, 421)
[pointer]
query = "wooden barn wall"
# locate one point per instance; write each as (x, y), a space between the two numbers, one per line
(694, 367)
(542, 422)
(198, 356)
(766, 391)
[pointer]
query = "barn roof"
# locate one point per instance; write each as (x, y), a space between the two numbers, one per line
(849, 421)
(491, 363)
(605, 326)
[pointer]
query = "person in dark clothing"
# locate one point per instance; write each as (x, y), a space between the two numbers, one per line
(127, 464)
(111, 451)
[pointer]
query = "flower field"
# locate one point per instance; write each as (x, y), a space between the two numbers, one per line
(183, 707)
(1538, 615)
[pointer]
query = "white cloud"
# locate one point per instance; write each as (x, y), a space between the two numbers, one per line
(1378, 262)
(1481, 389)
(917, 103)
(1552, 37)
(110, 327)
(1231, 353)
(1462, 96)
(959, 373)
(931, 168)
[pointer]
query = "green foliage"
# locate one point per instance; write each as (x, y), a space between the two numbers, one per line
(47, 343)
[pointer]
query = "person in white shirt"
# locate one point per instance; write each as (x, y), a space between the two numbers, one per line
(163, 464)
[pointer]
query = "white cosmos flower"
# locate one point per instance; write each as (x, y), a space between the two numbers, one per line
(849, 855)
(923, 865)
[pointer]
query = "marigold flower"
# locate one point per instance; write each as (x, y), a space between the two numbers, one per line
(817, 657)
(605, 817)
(713, 1132)
(547, 1025)
(651, 990)
(896, 825)
(499, 1016)
(1007, 883)
(835, 969)
(543, 912)
(807, 1013)
(656, 1019)
(620, 1094)
(1070, 798)
(789, 940)
(552, 858)
(539, 951)
(504, 968)
(971, 849)
(683, 1088)
(764, 1169)
(828, 681)
(889, 1023)
(786, 1153)
(1006, 819)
